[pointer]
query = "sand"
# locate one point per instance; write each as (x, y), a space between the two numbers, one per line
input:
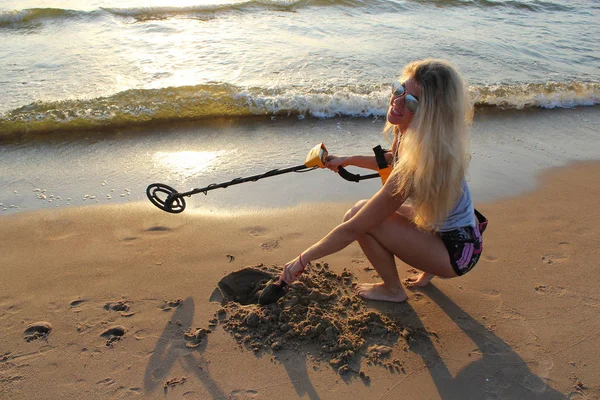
(122, 301)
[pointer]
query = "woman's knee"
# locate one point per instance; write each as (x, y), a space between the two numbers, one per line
(352, 212)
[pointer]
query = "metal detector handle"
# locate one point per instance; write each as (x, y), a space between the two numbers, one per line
(349, 176)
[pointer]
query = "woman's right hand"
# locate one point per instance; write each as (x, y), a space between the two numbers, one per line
(292, 270)
(334, 162)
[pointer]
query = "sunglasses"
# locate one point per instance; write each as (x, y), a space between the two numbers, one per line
(412, 103)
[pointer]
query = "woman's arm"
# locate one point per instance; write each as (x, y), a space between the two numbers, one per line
(334, 162)
(378, 209)
(367, 162)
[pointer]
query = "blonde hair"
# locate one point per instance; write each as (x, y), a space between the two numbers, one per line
(433, 153)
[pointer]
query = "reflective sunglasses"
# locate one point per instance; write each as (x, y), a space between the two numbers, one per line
(412, 103)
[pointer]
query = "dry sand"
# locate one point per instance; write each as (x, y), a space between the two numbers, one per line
(121, 301)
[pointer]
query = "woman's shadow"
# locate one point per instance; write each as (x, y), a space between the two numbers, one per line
(171, 348)
(499, 373)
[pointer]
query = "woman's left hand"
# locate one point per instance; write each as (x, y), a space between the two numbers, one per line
(292, 270)
(335, 162)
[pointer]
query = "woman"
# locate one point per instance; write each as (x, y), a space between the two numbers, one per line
(429, 114)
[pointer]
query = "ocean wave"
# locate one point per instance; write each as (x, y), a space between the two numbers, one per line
(547, 95)
(142, 106)
(535, 5)
(36, 16)
(207, 11)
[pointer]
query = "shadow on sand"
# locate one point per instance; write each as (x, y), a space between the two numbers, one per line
(171, 348)
(499, 373)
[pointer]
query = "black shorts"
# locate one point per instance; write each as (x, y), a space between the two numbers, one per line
(465, 245)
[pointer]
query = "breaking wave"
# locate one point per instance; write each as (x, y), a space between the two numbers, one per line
(141, 106)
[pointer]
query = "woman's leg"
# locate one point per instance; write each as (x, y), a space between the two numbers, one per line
(398, 236)
(383, 261)
(425, 277)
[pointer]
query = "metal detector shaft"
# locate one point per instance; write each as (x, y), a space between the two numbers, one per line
(343, 173)
(237, 181)
(168, 199)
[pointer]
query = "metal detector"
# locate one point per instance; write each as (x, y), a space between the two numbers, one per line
(170, 200)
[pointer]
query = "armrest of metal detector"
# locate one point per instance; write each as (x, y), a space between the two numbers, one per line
(349, 176)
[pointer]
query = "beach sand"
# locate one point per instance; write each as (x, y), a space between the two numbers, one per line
(95, 302)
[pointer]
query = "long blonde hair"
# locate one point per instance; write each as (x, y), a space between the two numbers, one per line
(433, 153)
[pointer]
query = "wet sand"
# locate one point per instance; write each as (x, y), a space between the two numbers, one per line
(121, 301)
(57, 170)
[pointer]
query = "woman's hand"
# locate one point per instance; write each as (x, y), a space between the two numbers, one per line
(334, 162)
(292, 270)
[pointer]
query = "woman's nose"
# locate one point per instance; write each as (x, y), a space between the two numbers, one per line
(398, 101)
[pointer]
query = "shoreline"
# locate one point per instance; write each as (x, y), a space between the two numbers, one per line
(518, 307)
(508, 152)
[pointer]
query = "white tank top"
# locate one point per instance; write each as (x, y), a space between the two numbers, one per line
(462, 214)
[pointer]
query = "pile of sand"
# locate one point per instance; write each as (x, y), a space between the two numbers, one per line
(319, 313)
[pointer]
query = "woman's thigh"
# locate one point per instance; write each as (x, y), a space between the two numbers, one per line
(422, 250)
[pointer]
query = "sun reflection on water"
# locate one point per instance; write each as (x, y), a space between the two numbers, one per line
(187, 162)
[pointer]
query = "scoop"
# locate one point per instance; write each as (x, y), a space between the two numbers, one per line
(271, 293)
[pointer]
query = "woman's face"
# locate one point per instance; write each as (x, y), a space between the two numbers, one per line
(399, 113)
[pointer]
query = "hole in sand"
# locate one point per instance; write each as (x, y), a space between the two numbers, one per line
(37, 330)
(113, 334)
(116, 306)
(244, 286)
(321, 315)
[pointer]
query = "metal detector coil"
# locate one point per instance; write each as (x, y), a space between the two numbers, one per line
(165, 198)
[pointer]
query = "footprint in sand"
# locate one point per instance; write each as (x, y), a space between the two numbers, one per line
(77, 305)
(121, 306)
(125, 235)
(256, 231)
(491, 292)
(174, 382)
(170, 304)
(553, 290)
(541, 288)
(158, 228)
(552, 258)
(591, 302)
(8, 308)
(243, 394)
(37, 330)
(270, 245)
(107, 382)
(140, 334)
(490, 258)
(417, 297)
(194, 338)
(113, 334)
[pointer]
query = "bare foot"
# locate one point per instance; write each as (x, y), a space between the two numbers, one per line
(378, 291)
(420, 281)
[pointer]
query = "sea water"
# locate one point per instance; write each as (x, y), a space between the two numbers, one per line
(111, 95)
